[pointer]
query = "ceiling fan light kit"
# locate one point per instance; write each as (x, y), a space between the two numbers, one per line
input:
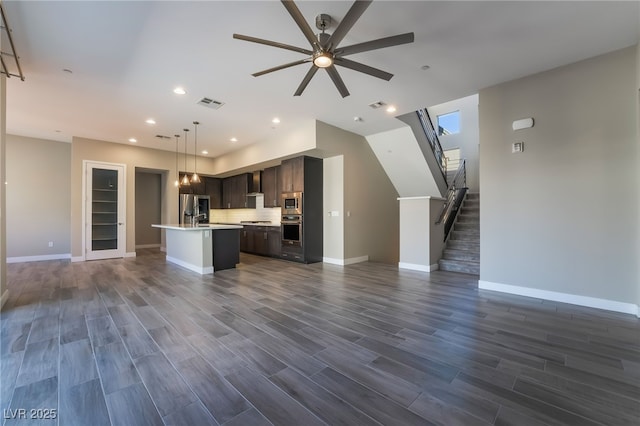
(324, 52)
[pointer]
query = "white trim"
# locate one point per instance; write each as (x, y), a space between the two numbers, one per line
(130, 254)
(20, 259)
(4, 298)
(574, 299)
(418, 267)
(77, 259)
(144, 246)
(163, 249)
(189, 266)
(343, 262)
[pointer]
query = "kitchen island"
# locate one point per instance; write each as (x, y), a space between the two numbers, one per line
(203, 248)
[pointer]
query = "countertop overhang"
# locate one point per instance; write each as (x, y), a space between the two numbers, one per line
(200, 227)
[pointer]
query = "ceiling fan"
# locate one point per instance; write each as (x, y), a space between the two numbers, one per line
(325, 51)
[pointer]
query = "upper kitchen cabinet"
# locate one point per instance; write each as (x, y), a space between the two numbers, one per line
(213, 188)
(292, 175)
(300, 174)
(197, 188)
(271, 186)
(235, 190)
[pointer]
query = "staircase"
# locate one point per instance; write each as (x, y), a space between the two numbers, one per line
(462, 252)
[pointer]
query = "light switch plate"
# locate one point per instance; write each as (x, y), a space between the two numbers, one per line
(517, 147)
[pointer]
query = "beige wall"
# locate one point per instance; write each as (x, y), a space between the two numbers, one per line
(3, 202)
(148, 208)
(371, 218)
(563, 216)
(37, 195)
(131, 156)
(638, 161)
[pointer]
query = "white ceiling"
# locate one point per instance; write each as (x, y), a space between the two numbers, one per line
(127, 57)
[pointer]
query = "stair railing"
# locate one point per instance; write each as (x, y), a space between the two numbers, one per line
(455, 196)
(432, 137)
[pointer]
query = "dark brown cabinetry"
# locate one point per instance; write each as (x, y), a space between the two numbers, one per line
(292, 175)
(235, 190)
(213, 188)
(261, 240)
(271, 186)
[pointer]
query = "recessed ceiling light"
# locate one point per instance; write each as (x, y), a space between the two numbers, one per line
(133, 140)
(358, 119)
(150, 121)
(179, 91)
(233, 140)
(205, 152)
(276, 120)
(391, 108)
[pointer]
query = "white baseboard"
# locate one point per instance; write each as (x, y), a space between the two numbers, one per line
(144, 246)
(418, 267)
(189, 266)
(20, 259)
(77, 259)
(130, 254)
(343, 262)
(4, 298)
(574, 299)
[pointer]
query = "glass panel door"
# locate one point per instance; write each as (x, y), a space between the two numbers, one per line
(104, 211)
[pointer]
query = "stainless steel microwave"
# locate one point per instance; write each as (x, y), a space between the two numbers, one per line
(291, 203)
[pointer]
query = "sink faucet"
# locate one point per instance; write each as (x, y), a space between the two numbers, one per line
(196, 219)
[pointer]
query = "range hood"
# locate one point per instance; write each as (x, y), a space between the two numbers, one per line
(256, 184)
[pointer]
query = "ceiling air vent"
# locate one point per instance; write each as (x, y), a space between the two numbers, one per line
(377, 105)
(163, 137)
(210, 103)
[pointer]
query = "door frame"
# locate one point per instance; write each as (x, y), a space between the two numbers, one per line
(122, 208)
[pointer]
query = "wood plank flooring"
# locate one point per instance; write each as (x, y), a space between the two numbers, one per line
(138, 341)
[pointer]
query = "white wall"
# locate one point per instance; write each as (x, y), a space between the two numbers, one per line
(37, 195)
(333, 201)
(421, 240)
(468, 139)
(562, 218)
(399, 153)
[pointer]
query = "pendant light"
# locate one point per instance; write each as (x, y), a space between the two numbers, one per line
(194, 177)
(185, 179)
(177, 182)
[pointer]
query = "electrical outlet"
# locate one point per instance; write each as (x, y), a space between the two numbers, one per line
(50, 243)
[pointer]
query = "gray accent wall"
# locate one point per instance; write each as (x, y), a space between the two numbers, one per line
(38, 177)
(563, 216)
(371, 215)
(148, 201)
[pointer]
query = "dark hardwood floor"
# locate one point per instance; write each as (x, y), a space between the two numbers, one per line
(141, 342)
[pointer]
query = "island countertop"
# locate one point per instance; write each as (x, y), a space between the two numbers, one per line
(199, 227)
(202, 248)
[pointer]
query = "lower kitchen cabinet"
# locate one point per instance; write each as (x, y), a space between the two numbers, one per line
(260, 240)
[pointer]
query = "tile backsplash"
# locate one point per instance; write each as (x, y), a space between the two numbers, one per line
(237, 215)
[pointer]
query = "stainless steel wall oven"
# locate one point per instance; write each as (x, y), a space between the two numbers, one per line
(291, 227)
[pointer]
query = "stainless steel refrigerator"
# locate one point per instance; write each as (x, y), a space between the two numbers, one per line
(194, 208)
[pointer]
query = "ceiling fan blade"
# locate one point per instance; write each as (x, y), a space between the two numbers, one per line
(337, 80)
(357, 9)
(375, 44)
(272, 43)
(357, 66)
(281, 67)
(305, 81)
(302, 23)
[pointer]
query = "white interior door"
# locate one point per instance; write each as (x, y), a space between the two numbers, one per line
(105, 231)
